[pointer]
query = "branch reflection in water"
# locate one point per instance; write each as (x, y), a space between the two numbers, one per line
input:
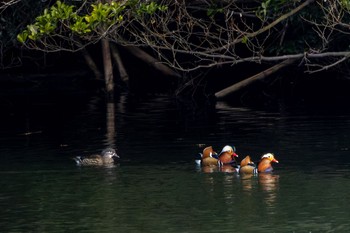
(110, 125)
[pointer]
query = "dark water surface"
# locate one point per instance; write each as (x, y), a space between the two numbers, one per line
(157, 187)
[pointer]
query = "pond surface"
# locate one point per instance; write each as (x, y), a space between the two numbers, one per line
(157, 187)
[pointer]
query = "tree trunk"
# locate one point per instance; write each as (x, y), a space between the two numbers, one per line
(122, 71)
(238, 86)
(108, 69)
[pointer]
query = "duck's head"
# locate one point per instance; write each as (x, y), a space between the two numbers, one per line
(270, 157)
(230, 150)
(109, 153)
(208, 152)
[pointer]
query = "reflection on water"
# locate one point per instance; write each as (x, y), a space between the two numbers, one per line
(269, 185)
(157, 187)
(110, 125)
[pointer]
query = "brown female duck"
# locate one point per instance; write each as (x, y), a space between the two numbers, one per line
(107, 157)
(209, 158)
(247, 166)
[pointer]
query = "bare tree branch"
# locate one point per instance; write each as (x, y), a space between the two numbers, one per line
(193, 35)
(4, 4)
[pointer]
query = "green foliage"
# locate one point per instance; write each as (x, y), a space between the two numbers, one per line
(245, 40)
(60, 11)
(81, 26)
(150, 8)
(264, 7)
(213, 10)
(345, 4)
(46, 23)
(102, 16)
(272, 8)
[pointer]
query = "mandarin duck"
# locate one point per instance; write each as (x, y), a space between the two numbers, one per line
(107, 157)
(208, 158)
(248, 167)
(265, 162)
(227, 155)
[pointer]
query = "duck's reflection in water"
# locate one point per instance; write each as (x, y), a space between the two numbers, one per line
(228, 168)
(211, 169)
(269, 184)
(247, 181)
(266, 182)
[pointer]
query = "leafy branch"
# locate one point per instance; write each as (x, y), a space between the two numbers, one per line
(102, 15)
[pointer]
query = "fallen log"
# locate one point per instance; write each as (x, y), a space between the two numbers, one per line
(148, 59)
(240, 85)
